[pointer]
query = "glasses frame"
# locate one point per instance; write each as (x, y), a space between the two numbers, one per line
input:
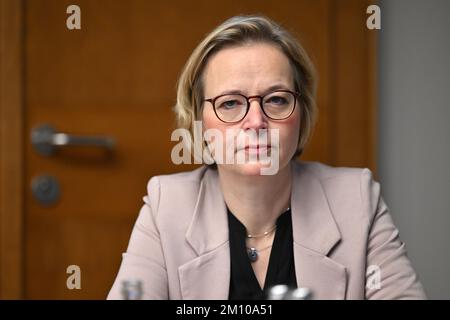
(261, 98)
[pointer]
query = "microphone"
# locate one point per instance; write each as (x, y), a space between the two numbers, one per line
(283, 292)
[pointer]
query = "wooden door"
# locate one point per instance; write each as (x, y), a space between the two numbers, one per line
(116, 78)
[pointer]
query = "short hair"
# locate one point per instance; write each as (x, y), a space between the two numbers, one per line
(241, 30)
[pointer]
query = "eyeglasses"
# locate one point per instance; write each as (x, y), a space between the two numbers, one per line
(276, 105)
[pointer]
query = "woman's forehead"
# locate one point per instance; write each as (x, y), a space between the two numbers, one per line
(249, 67)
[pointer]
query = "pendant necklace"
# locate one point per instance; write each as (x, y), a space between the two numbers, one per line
(252, 252)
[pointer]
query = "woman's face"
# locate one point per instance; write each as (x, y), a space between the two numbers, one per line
(252, 69)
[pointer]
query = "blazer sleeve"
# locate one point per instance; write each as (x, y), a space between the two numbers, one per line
(144, 259)
(390, 274)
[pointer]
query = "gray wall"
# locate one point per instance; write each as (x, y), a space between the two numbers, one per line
(414, 132)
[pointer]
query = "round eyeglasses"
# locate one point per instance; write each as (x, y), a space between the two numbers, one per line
(276, 105)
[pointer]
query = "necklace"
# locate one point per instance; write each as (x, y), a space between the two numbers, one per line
(250, 236)
(265, 233)
(253, 253)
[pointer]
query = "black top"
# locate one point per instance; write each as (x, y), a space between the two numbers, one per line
(281, 270)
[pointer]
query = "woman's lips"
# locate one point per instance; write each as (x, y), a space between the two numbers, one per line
(257, 148)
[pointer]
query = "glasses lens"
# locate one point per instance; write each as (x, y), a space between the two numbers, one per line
(279, 104)
(230, 108)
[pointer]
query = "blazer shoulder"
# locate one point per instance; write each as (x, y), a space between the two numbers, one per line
(325, 172)
(177, 188)
(193, 176)
(356, 185)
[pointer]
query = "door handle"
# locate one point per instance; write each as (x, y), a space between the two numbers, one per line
(45, 139)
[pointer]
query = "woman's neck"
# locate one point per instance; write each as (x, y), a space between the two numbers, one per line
(257, 201)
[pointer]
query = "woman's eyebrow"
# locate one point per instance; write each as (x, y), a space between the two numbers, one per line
(277, 87)
(267, 90)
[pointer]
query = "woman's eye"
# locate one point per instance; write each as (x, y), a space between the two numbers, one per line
(276, 100)
(229, 104)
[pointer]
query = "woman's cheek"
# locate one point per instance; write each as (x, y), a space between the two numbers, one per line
(207, 120)
(289, 133)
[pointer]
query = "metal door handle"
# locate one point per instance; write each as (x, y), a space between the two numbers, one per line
(46, 139)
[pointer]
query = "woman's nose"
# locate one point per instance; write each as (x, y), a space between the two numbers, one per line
(255, 118)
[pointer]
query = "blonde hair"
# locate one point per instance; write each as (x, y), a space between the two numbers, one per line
(240, 30)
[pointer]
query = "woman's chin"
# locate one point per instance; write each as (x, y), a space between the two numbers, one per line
(250, 169)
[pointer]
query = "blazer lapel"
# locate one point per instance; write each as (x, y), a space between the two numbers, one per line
(208, 275)
(315, 233)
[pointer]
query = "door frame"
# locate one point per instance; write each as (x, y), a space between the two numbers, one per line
(12, 118)
(11, 149)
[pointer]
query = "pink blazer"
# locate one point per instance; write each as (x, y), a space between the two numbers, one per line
(345, 243)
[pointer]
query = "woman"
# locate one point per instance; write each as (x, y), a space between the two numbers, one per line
(232, 231)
